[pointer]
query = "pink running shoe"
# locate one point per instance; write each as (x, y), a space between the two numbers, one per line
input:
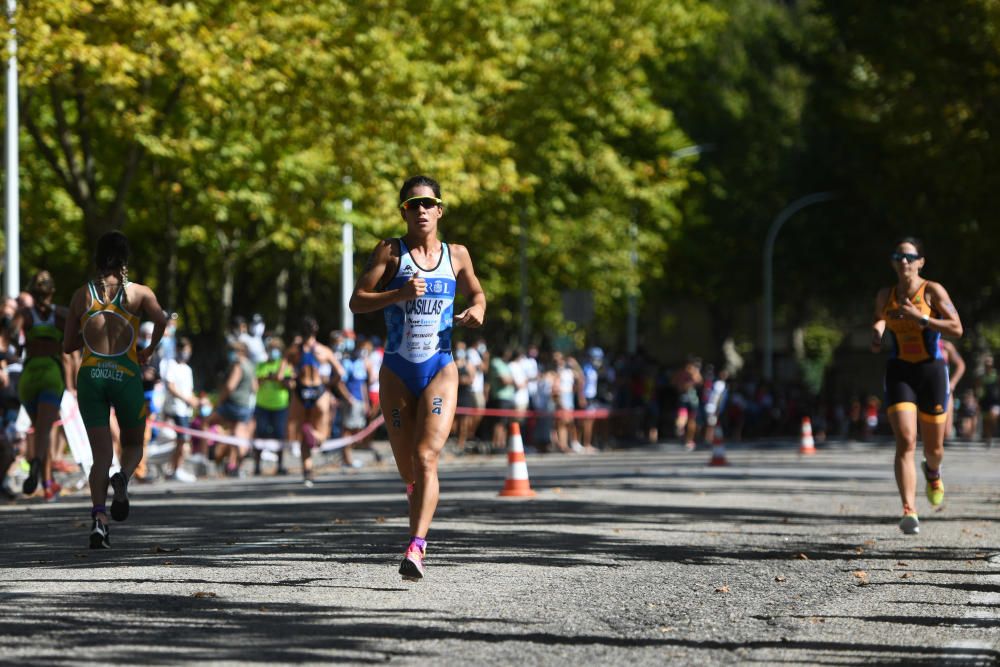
(412, 567)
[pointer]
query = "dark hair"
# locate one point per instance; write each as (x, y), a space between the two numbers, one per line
(912, 240)
(183, 342)
(111, 257)
(42, 286)
(112, 253)
(416, 181)
(309, 326)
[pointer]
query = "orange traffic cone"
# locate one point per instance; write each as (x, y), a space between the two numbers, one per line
(718, 451)
(517, 483)
(808, 445)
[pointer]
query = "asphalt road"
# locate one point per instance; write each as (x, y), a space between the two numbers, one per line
(638, 557)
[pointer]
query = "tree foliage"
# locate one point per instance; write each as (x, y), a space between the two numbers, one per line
(224, 137)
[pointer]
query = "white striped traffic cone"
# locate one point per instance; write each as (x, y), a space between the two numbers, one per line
(517, 484)
(718, 451)
(808, 445)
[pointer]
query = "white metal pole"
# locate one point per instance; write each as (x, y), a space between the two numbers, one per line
(347, 270)
(12, 283)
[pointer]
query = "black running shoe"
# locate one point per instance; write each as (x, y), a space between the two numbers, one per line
(31, 484)
(119, 507)
(100, 536)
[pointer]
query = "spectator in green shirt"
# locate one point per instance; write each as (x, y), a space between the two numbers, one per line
(275, 379)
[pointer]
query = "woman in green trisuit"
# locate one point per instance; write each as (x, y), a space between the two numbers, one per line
(104, 321)
(45, 376)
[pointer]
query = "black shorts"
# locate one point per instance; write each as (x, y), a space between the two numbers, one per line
(309, 394)
(923, 385)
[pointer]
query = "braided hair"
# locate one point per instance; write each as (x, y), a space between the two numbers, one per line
(111, 259)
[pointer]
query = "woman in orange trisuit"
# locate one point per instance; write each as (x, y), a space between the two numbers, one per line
(910, 318)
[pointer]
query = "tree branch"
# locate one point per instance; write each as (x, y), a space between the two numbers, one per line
(83, 130)
(134, 159)
(63, 136)
(48, 152)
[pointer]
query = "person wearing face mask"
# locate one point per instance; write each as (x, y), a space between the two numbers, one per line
(235, 407)
(275, 379)
(180, 404)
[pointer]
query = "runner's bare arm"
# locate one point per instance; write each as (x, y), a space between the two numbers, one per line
(878, 320)
(367, 298)
(468, 285)
(954, 357)
(151, 309)
(72, 336)
(948, 322)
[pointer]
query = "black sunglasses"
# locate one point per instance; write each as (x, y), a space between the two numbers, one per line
(412, 203)
(908, 256)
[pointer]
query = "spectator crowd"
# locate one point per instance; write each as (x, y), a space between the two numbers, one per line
(563, 402)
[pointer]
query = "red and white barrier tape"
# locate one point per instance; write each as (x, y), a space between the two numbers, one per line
(593, 413)
(273, 445)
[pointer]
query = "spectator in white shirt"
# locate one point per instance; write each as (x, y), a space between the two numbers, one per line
(180, 403)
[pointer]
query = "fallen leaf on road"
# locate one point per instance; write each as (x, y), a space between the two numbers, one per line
(617, 530)
(204, 594)
(902, 564)
(817, 619)
(869, 543)
(557, 489)
(859, 550)
(860, 574)
(906, 575)
(977, 534)
(168, 562)
(665, 629)
(722, 589)
(261, 608)
(779, 578)
(380, 519)
(801, 556)
(341, 522)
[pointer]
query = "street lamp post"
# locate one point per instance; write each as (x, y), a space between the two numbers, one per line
(772, 234)
(13, 223)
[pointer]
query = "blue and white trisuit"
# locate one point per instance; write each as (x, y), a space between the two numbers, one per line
(418, 338)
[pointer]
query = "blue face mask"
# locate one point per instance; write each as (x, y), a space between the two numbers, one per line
(275, 354)
(233, 357)
(143, 343)
(206, 410)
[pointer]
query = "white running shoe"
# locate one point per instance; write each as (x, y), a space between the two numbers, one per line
(910, 524)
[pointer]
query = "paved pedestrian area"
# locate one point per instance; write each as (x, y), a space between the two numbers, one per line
(637, 557)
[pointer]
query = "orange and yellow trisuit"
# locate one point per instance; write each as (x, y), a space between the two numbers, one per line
(916, 375)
